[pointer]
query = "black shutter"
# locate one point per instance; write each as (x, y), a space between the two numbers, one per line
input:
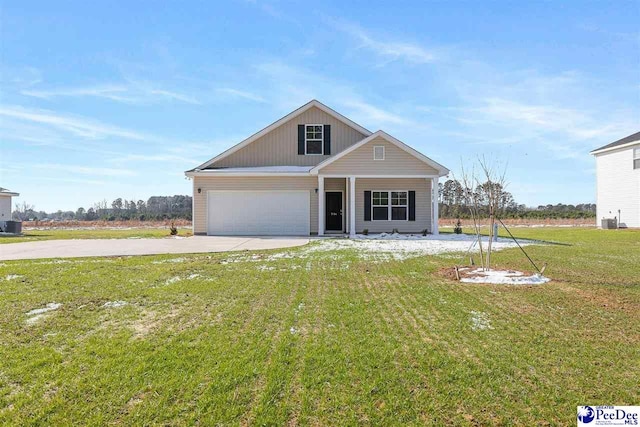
(327, 140)
(367, 205)
(412, 205)
(301, 140)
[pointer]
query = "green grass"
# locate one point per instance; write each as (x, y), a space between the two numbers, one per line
(321, 338)
(96, 233)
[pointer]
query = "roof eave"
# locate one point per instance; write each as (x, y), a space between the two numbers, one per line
(615, 147)
(210, 173)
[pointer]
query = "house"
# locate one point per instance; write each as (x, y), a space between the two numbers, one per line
(315, 171)
(618, 181)
(5, 204)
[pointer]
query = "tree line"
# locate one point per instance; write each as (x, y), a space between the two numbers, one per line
(453, 198)
(155, 208)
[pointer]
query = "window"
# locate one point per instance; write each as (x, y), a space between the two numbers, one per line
(387, 205)
(636, 158)
(380, 205)
(313, 137)
(378, 152)
(399, 205)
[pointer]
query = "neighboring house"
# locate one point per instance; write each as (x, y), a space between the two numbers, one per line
(5, 204)
(316, 172)
(618, 181)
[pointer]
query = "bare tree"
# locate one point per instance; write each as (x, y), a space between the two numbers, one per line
(493, 186)
(484, 194)
(22, 211)
(471, 200)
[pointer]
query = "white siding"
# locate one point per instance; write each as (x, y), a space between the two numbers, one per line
(5, 208)
(618, 187)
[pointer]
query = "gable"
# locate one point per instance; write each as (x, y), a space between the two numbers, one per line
(279, 146)
(396, 161)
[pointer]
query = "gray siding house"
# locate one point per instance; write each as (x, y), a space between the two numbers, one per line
(314, 171)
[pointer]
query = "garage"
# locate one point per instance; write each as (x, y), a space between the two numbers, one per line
(252, 213)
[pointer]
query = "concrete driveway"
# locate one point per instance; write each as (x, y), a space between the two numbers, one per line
(116, 247)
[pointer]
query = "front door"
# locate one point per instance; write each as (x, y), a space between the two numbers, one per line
(333, 207)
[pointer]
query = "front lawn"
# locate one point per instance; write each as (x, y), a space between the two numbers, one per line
(306, 337)
(92, 233)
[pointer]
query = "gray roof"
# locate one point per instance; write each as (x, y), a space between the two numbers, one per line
(5, 192)
(627, 139)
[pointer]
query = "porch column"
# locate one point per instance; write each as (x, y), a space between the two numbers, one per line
(321, 212)
(345, 208)
(352, 206)
(434, 228)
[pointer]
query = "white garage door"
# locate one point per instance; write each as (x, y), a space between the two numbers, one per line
(258, 213)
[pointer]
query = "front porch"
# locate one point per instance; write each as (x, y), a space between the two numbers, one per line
(377, 203)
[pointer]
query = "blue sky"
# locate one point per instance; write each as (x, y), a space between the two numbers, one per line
(104, 99)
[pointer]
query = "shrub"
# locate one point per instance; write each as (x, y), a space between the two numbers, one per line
(173, 229)
(425, 231)
(395, 231)
(365, 231)
(458, 228)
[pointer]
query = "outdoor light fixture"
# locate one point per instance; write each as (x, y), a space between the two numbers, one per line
(199, 190)
(316, 191)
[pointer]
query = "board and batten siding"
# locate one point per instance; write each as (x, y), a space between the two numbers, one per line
(280, 146)
(422, 187)
(396, 162)
(618, 187)
(250, 184)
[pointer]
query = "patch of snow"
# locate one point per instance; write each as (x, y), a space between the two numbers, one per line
(376, 248)
(480, 321)
(34, 319)
(49, 307)
(13, 277)
(402, 246)
(193, 276)
(173, 280)
(170, 260)
(56, 261)
(504, 277)
(114, 304)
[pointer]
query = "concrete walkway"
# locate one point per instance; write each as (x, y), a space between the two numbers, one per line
(117, 247)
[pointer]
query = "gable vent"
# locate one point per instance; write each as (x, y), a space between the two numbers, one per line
(378, 152)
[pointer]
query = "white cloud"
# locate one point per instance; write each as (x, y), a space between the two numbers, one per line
(169, 157)
(390, 50)
(130, 93)
(372, 114)
(241, 94)
(84, 170)
(560, 129)
(77, 126)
